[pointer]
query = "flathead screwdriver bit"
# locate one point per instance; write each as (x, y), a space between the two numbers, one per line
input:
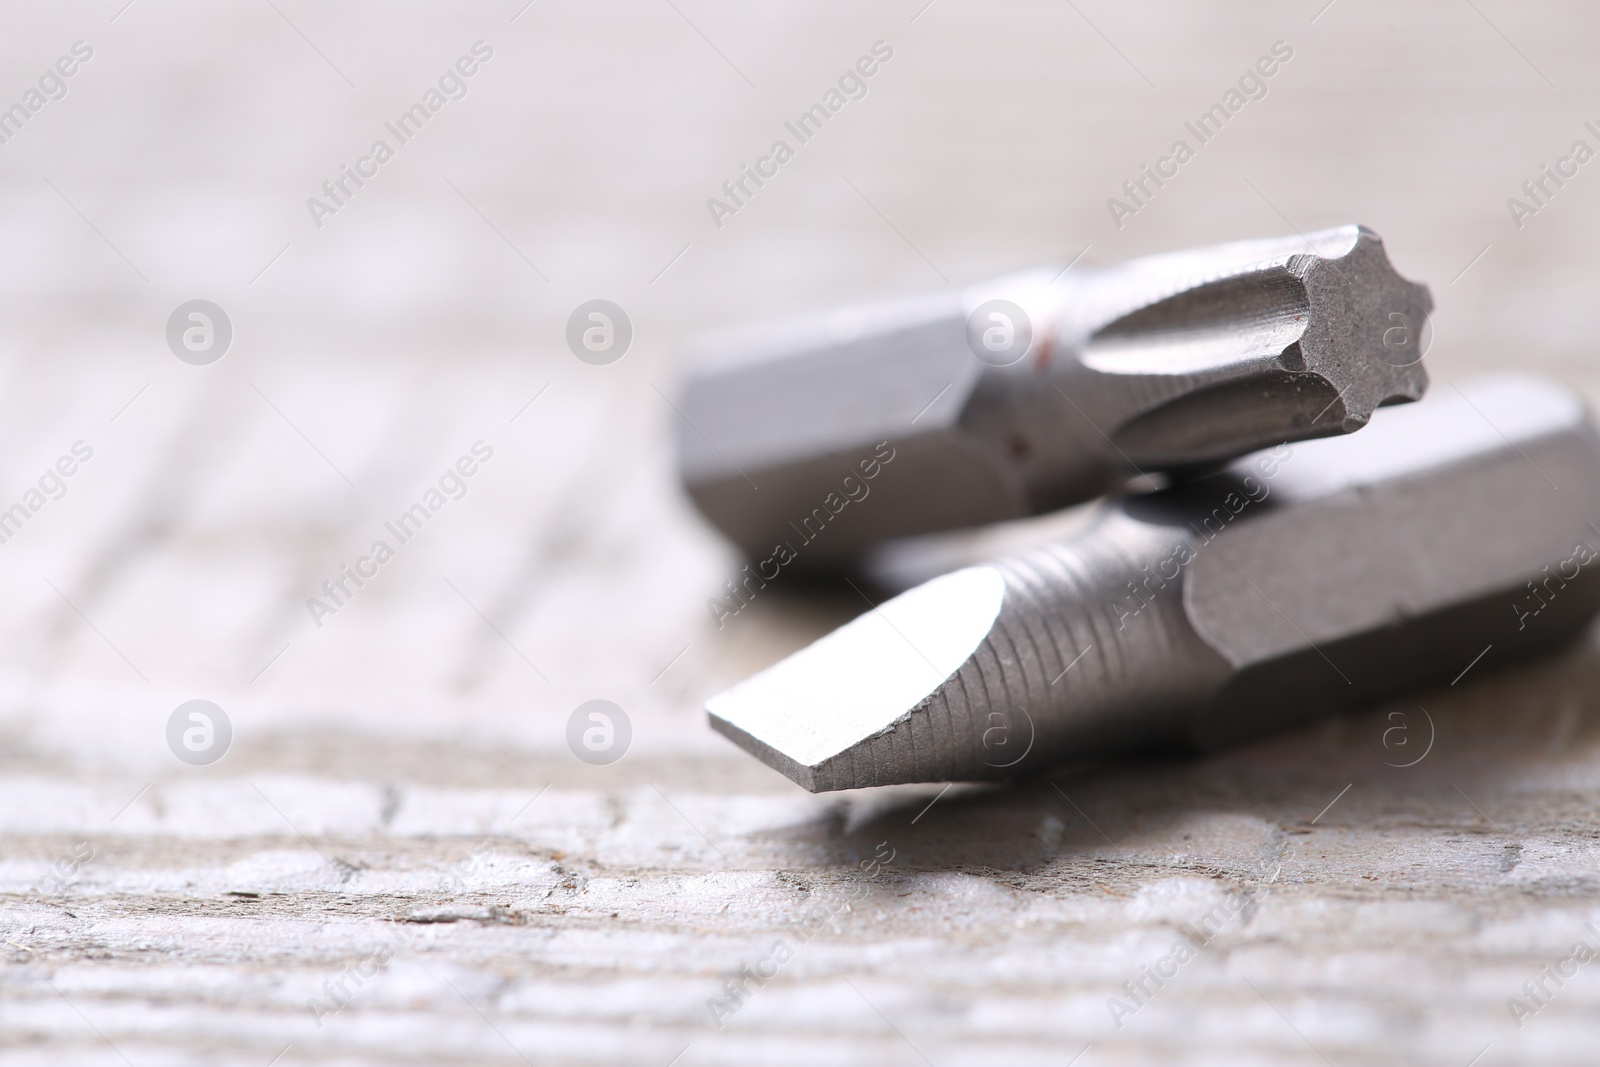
(1042, 389)
(1448, 536)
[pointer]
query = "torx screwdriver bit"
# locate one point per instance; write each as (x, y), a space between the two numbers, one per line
(1038, 390)
(1447, 536)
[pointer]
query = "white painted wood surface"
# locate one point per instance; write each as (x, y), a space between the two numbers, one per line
(399, 800)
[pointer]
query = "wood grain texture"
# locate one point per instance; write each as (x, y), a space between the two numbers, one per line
(399, 860)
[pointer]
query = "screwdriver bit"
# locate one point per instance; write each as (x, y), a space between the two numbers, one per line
(1449, 535)
(1038, 390)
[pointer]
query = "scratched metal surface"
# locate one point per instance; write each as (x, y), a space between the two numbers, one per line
(399, 860)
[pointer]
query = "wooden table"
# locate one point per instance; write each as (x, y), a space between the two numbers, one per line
(399, 860)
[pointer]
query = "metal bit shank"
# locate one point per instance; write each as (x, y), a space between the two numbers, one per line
(1168, 362)
(1298, 581)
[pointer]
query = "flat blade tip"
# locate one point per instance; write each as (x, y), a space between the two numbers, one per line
(811, 715)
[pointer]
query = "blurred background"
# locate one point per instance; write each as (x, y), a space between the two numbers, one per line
(375, 344)
(432, 307)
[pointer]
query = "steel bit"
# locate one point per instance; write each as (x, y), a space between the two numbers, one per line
(1450, 535)
(1042, 389)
